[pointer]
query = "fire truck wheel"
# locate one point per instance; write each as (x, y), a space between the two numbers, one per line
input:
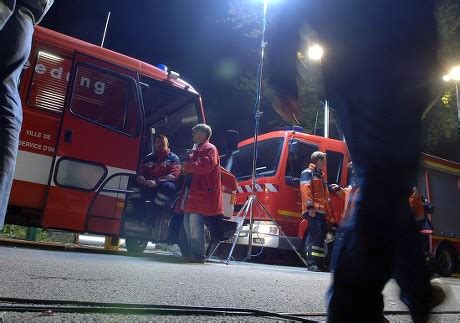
(446, 260)
(135, 246)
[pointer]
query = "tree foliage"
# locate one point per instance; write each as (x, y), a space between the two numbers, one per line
(439, 126)
(247, 17)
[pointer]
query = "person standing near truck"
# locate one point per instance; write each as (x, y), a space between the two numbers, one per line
(202, 192)
(315, 208)
(419, 207)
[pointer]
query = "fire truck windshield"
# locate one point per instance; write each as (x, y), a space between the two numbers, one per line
(269, 150)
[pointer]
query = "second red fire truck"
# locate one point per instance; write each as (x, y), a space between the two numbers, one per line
(282, 155)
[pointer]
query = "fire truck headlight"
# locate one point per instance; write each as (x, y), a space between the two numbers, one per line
(266, 228)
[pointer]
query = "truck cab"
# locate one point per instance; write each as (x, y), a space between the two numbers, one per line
(281, 157)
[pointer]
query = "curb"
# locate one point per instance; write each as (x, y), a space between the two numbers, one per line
(56, 246)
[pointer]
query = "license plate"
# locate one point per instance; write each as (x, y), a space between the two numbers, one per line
(258, 240)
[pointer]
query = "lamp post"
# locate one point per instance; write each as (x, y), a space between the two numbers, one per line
(454, 76)
(315, 53)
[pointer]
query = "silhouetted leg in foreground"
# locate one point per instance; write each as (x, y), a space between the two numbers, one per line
(380, 58)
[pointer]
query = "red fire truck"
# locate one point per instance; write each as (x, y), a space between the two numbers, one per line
(439, 182)
(282, 155)
(88, 118)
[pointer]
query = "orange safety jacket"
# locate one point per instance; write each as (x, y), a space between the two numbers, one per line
(416, 205)
(314, 191)
(344, 194)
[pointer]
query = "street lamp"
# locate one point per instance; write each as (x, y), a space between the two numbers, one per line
(315, 52)
(249, 207)
(454, 75)
(446, 78)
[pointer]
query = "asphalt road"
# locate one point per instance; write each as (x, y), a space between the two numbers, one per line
(165, 279)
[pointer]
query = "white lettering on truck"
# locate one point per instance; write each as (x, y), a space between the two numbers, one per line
(57, 73)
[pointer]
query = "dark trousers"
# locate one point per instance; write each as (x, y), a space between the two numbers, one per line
(374, 244)
(194, 225)
(315, 240)
(160, 195)
(379, 67)
(423, 237)
(194, 229)
(15, 42)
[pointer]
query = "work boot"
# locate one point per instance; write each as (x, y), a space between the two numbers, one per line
(439, 292)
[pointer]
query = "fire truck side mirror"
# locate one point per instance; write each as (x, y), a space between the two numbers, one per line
(231, 141)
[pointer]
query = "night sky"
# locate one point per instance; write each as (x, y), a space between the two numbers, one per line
(190, 37)
(193, 38)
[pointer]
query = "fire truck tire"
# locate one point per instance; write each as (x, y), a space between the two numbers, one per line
(445, 260)
(135, 246)
(183, 240)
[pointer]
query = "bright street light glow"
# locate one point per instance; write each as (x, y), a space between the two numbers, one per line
(315, 52)
(455, 73)
(265, 7)
(266, 1)
(446, 77)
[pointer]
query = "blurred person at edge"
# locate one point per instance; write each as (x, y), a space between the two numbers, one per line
(17, 20)
(379, 65)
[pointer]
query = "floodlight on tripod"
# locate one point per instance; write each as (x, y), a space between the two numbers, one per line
(252, 203)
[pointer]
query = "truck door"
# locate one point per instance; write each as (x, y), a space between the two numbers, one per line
(99, 137)
(299, 152)
(336, 169)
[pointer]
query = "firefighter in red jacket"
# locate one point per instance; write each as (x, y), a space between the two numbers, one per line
(202, 192)
(316, 209)
(158, 173)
